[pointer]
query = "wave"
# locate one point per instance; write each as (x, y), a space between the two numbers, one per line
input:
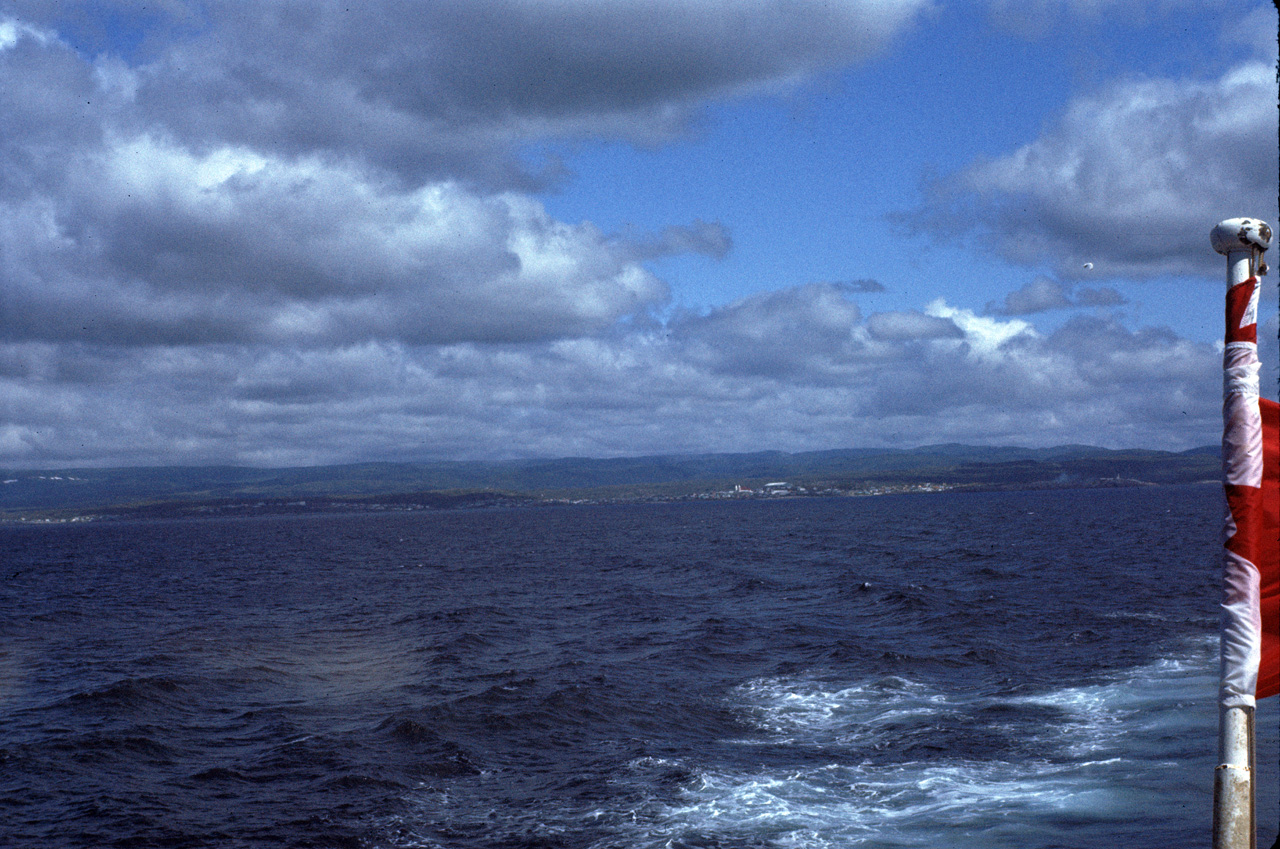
(128, 696)
(895, 761)
(888, 761)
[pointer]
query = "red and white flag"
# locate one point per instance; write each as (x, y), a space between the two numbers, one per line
(1251, 471)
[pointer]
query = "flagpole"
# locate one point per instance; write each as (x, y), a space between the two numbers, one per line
(1242, 241)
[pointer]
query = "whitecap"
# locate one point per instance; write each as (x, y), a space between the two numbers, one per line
(1094, 753)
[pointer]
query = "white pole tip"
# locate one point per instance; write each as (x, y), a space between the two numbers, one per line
(1241, 234)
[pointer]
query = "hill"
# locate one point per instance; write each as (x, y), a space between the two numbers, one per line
(33, 494)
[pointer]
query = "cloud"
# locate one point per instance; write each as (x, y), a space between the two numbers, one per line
(306, 232)
(806, 329)
(319, 174)
(801, 365)
(909, 326)
(1043, 294)
(432, 90)
(984, 337)
(279, 233)
(151, 243)
(864, 285)
(1128, 176)
(702, 237)
(1037, 296)
(12, 32)
(1256, 32)
(1101, 297)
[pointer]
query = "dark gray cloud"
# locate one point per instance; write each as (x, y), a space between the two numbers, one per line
(1039, 295)
(428, 90)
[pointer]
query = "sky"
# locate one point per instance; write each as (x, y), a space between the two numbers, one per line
(296, 233)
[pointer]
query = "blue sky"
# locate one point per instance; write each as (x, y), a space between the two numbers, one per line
(293, 233)
(808, 182)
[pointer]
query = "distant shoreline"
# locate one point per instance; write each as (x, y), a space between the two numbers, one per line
(478, 500)
(96, 494)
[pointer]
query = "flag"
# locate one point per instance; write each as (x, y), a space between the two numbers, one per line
(1251, 563)
(1269, 559)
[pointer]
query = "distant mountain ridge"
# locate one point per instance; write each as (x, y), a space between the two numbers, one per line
(951, 464)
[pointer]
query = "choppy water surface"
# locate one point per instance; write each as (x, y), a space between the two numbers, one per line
(965, 670)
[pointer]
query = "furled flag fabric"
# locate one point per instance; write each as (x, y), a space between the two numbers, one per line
(1269, 565)
(1251, 565)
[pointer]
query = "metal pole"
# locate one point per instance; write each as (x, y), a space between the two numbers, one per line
(1233, 810)
(1243, 241)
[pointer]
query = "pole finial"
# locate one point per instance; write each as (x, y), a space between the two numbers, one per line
(1237, 235)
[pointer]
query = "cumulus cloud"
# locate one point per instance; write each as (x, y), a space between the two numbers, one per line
(1128, 175)
(281, 233)
(793, 331)
(302, 232)
(907, 326)
(1044, 294)
(152, 243)
(801, 365)
(321, 174)
(428, 90)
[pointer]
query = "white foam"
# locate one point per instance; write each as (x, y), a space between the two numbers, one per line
(909, 804)
(1086, 763)
(1162, 698)
(1105, 745)
(794, 709)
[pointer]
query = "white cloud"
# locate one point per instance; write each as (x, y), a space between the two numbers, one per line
(12, 31)
(1128, 176)
(145, 236)
(312, 176)
(984, 336)
(801, 366)
(235, 246)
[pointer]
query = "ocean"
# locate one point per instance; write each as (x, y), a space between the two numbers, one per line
(971, 670)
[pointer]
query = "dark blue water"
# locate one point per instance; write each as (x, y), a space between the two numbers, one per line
(965, 670)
